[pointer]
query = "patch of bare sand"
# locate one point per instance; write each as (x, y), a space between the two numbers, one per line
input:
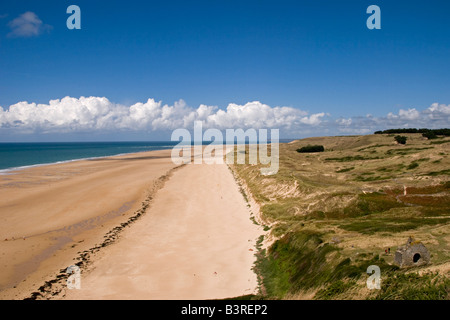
(196, 241)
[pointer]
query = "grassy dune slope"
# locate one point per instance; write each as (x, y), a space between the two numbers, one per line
(334, 213)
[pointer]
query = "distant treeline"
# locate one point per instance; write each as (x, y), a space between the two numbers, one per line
(437, 132)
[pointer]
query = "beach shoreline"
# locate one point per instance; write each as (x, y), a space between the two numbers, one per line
(113, 190)
(15, 169)
(49, 213)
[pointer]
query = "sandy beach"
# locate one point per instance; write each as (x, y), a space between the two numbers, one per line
(194, 239)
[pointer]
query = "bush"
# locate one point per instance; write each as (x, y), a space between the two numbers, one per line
(308, 149)
(429, 135)
(401, 139)
(413, 165)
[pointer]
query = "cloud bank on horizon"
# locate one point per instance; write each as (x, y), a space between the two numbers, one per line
(98, 114)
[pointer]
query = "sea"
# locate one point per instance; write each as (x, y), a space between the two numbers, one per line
(14, 156)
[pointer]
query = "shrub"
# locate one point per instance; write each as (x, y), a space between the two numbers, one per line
(430, 135)
(413, 165)
(345, 170)
(401, 139)
(308, 149)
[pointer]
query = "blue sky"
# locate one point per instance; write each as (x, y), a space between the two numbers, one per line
(313, 56)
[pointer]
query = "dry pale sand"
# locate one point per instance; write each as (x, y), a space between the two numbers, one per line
(195, 241)
(49, 213)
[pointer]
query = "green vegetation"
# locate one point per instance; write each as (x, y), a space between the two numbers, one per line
(411, 286)
(351, 158)
(309, 149)
(413, 165)
(405, 151)
(438, 173)
(401, 139)
(301, 261)
(332, 216)
(429, 135)
(335, 289)
(345, 170)
(443, 132)
(374, 146)
(374, 178)
(440, 142)
(392, 225)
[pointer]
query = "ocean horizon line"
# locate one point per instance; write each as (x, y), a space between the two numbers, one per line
(16, 156)
(128, 141)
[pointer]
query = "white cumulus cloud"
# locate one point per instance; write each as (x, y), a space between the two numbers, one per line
(86, 114)
(313, 119)
(100, 115)
(27, 25)
(410, 114)
(433, 117)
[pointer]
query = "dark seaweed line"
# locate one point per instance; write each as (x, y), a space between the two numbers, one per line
(55, 286)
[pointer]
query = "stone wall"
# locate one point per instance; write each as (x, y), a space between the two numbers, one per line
(412, 254)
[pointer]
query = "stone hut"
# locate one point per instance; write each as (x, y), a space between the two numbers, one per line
(412, 254)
